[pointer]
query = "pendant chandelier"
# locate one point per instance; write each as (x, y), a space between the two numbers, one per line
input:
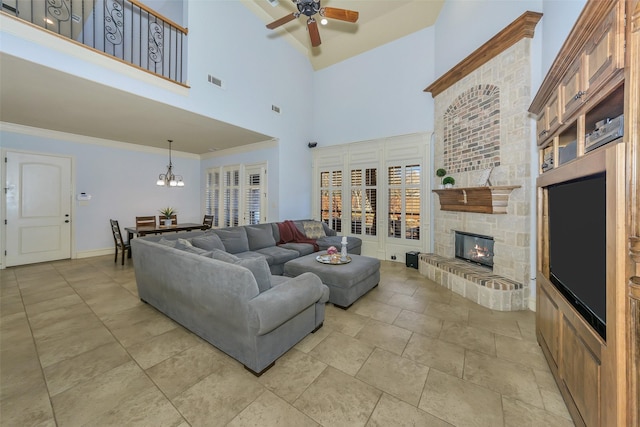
(169, 179)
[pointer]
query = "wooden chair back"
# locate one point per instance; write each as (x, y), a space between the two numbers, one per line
(208, 221)
(119, 241)
(145, 221)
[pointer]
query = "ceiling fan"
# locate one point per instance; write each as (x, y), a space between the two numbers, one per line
(310, 8)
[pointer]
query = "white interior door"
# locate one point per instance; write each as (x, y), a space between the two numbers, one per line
(38, 202)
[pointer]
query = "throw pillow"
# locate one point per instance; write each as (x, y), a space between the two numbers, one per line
(260, 236)
(260, 270)
(234, 239)
(192, 249)
(208, 241)
(185, 242)
(258, 267)
(167, 242)
(313, 229)
(223, 256)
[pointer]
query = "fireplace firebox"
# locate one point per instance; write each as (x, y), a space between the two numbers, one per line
(474, 248)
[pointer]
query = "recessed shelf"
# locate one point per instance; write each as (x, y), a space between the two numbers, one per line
(489, 200)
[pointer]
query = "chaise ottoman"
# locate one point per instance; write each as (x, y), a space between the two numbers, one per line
(346, 282)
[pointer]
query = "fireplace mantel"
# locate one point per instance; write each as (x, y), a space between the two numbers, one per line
(489, 200)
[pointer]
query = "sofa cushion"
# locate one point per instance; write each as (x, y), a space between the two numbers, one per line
(302, 248)
(257, 265)
(260, 236)
(313, 229)
(234, 239)
(208, 241)
(278, 254)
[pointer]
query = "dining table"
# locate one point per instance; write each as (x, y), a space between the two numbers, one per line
(160, 229)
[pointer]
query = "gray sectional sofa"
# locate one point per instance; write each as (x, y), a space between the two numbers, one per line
(225, 285)
(261, 240)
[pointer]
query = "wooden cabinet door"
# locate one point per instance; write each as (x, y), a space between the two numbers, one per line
(572, 89)
(604, 53)
(553, 114)
(580, 371)
(548, 320)
(634, 357)
(542, 129)
(548, 120)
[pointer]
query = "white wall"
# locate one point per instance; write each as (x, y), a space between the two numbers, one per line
(120, 177)
(465, 25)
(258, 70)
(557, 21)
(376, 94)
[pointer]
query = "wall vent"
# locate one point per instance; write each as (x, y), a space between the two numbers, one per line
(275, 108)
(214, 80)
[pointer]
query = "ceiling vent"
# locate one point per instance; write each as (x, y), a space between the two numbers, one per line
(214, 80)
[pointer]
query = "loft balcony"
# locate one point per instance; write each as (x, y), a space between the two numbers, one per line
(125, 30)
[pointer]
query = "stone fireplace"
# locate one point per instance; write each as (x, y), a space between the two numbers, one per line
(482, 126)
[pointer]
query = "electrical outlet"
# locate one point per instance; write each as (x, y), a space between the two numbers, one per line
(393, 257)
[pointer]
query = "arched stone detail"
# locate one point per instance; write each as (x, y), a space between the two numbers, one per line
(472, 130)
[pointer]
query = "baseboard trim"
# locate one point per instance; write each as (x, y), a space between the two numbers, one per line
(96, 252)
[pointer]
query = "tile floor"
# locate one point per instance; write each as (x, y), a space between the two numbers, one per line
(77, 347)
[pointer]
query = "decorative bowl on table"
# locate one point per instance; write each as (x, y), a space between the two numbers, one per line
(334, 259)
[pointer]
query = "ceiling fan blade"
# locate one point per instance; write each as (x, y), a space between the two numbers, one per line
(314, 34)
(281, 21)
(341, 14)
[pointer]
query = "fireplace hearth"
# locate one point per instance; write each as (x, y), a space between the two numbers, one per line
(474, 248)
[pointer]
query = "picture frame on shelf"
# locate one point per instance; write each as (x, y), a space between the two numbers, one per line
(483, 179)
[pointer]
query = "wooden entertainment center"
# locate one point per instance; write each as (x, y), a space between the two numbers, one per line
(594, 80)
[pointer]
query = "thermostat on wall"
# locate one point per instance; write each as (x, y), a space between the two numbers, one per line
(84, 196)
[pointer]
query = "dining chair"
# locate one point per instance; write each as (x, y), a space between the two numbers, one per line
(174, 219)
(208, 221)
(125, 247)
(145, 221)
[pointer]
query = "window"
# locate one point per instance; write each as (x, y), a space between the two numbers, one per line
(253, 196)
(212, 200)
(375, 190)
(404, 201)
(231, 192)
(234, 201)
(363, 201)
(331, 199)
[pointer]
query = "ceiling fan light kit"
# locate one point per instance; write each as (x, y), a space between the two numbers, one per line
(310, 8)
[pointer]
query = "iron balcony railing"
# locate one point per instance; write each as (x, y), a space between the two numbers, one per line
(125, 29)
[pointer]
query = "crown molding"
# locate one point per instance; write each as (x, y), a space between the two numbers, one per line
(82, 139)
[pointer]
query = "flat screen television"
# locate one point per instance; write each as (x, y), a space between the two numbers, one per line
(577, 246)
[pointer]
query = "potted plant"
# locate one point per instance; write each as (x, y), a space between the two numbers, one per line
(448, 181)
(441, 173)
(166, 213)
